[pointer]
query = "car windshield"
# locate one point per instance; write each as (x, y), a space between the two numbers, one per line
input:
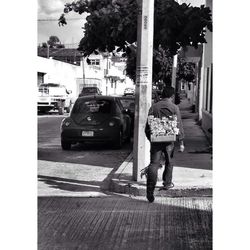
(91, 106)
(128, 104)
(50, 85)
(89, 90)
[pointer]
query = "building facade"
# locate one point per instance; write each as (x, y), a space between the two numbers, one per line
(206, 83)
(103, 71)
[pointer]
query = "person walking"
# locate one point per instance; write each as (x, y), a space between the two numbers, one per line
(164, 108)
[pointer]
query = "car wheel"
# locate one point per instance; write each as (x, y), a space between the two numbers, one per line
(65, 145)
(61, 110)
(118, 141)
(68, 109)
(61, 105)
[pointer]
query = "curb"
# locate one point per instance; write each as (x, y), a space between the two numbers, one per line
(128, 186)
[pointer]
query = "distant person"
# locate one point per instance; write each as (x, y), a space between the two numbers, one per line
(165, 107)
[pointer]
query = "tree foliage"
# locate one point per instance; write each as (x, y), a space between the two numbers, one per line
(162, 66)
(112, 24)
(54, 42)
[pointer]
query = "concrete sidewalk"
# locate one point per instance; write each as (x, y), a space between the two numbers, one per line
(192, 174)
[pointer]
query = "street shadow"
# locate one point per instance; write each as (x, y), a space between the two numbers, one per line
(74, 185)
(70, 184)
(167, 223)
(89, 154)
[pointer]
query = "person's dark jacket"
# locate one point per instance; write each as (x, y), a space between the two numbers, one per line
(165, 107)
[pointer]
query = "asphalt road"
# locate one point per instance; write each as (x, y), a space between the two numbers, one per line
(83, 169)
(76, 212)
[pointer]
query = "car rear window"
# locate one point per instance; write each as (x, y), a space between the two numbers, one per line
(92, 106)
(89, 90)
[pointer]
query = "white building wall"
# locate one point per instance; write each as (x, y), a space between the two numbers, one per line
(205, 111)
(59, 72)
(72, 75)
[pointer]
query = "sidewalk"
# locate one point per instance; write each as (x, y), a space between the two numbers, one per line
(192, 174)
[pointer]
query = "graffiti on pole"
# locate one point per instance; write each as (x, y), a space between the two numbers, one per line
(145, 24)
(141, 75)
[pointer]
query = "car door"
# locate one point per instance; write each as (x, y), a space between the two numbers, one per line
(125, 119)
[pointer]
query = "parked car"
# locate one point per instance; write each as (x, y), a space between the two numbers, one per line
(53, 96)
(96, 119)
(129, 91)
(128, 103)
(90, 91)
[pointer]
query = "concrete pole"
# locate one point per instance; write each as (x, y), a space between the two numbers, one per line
(107, 64)
(174, 70)
(47, 50)
(143, 89)
(174, 66)
(83, 72)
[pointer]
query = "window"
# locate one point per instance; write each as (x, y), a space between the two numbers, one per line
(92, 106)
(95, 62)
(40, 78)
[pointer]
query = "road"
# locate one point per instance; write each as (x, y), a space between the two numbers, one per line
(84, 170)
(121, 222)
(75, 210)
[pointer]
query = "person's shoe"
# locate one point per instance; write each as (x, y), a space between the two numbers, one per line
(167, 186)
(150, 196)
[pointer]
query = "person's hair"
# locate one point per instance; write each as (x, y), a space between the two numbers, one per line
(167, 92)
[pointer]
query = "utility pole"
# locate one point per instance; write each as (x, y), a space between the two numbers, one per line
(47, 50)
(174, 70)
(174, 66)
(83, 71)
(143, 90)
(106, 73)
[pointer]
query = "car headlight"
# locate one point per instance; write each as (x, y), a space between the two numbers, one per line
(111, 123)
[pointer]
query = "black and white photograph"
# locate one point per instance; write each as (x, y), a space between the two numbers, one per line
(124, 125)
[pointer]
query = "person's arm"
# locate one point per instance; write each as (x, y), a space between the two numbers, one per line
(179, 124)
(147, 128)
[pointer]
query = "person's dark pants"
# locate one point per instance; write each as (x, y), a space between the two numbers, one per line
(155, 163)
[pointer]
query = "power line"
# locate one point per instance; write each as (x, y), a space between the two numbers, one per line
(54, 19)
(61, 43)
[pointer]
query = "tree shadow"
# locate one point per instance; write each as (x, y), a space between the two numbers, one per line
(101, 154)
(179, 223)
(70, 184)
(73, 185)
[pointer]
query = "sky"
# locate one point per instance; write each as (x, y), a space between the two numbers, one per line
(52, 9)
(72, 32)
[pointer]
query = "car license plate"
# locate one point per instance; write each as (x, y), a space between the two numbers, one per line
(87, 133)
(43, 99)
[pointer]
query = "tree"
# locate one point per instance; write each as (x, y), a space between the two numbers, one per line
(112, 25)
(44, 45)
(162, 66)
(54, 42)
